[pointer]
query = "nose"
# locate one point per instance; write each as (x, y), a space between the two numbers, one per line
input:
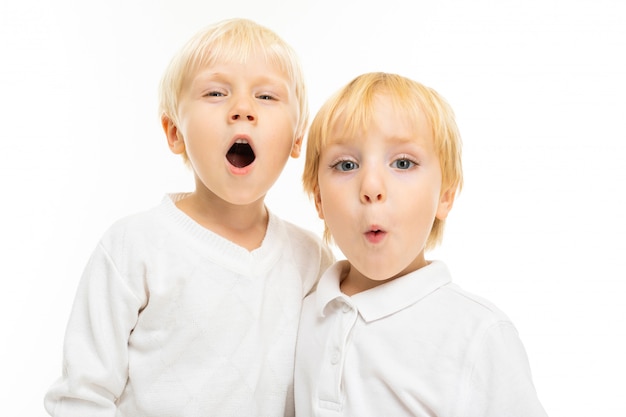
(237, 116)
(372, 187)
(242, 109)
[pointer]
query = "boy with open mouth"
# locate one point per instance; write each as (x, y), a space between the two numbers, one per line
(191, 309)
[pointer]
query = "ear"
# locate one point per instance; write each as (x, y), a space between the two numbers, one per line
(446, 200)
(174, 138)
(296, 148)
(318, 202)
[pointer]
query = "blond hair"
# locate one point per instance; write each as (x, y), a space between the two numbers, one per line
(231, 40)
(353, 105)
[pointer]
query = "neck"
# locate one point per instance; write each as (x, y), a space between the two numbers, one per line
(353, 281)
(244, 225)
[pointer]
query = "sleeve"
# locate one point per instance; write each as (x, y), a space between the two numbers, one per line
(326, 259)
(95, 352)
(500, 383)
(311, 254)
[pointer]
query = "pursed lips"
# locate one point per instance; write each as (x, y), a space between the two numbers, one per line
(375, 234)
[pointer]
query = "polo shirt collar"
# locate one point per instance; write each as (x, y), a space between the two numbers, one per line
(385, 299)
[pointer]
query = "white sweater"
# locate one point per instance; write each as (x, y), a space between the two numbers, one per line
(171, 319)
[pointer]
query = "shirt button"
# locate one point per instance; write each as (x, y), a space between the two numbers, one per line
(335, 356)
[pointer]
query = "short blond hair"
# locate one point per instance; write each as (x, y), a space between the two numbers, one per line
(231, 40)
(353, 105)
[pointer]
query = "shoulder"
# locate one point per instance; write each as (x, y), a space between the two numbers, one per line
(139, 232)
(303, 241)
(308, 252)
(297, 233)
(462, 315)
(475, 306)
(135, 225)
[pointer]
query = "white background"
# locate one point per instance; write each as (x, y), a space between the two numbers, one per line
(540, 94)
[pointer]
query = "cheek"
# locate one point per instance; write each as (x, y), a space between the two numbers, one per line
(330, 206)
(286, 120)
(418, 206)
(340, 222)
(282, 137)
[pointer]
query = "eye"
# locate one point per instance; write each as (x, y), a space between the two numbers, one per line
(266, 97)
(345, 165)
(403, 163)
(214, 94)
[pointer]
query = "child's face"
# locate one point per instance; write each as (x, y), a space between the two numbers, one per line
(379, 193)
(237, 124)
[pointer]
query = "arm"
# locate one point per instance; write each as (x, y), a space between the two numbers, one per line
(95, 355)
(500, 382)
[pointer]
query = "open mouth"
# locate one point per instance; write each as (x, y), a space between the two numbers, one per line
(240, 155)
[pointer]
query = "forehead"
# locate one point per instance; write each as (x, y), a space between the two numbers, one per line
(256, 64)
(242, 50)
(393, 116)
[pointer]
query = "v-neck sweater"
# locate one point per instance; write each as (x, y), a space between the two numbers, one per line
(171, 319)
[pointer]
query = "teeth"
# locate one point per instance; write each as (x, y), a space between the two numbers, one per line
(241, 141)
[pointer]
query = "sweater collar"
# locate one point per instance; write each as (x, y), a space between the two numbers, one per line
(222, 251)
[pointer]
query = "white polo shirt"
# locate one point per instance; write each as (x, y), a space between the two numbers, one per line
(415, 346)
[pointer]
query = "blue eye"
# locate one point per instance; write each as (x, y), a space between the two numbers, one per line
(403, 163)
(345, 166)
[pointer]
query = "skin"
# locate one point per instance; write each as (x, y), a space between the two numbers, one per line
(379, 193)
(227, 102)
